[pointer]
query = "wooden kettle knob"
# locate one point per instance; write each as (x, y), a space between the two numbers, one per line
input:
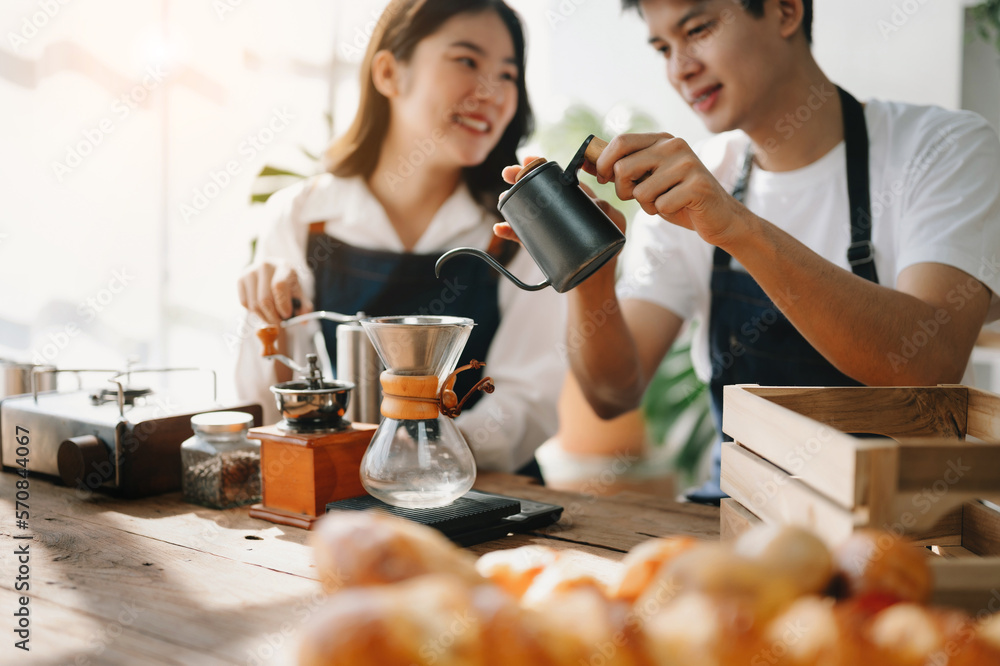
(594, 149)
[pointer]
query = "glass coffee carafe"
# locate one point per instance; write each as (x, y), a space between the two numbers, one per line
(418, 458)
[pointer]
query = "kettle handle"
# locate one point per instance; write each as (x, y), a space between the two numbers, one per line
(589, 151)
(450, 254)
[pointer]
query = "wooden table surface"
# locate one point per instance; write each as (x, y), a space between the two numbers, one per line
(160, 581)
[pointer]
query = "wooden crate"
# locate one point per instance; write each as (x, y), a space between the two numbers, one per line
(913, 461)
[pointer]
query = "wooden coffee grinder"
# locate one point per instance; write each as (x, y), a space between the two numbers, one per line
(313, 455)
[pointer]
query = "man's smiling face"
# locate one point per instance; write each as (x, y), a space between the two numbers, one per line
(720, 59)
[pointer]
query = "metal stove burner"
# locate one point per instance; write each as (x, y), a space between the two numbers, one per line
(125, 439)
(111, 395)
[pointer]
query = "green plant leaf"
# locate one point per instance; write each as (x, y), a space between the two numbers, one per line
(314, 158)
(985, 19)
(269, 170)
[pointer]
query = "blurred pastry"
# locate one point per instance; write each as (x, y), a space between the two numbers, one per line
(561, 576)
(792, 552)
(355, 548)
(714, 569)
(643, 563)
(515, 569)
(870, 561)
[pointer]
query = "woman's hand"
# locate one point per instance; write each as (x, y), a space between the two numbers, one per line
(267, 290)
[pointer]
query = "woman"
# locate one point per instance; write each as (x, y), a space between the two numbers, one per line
(443, 108)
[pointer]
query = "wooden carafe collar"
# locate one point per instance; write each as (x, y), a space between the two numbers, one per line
(415, 398)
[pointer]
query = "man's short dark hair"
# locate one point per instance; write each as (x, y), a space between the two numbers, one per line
(756, 7)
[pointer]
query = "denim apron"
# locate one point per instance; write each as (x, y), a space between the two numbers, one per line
(383, 283)
(750, 340)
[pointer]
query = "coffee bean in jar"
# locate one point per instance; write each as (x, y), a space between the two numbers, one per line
(220, 465)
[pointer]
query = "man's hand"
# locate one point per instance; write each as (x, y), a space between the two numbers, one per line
(666, 178)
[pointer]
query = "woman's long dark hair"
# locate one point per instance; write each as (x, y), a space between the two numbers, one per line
(403, 24)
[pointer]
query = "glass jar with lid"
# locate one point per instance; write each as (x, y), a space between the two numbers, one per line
(220, 466)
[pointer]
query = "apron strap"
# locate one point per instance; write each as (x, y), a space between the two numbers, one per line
(861, 251)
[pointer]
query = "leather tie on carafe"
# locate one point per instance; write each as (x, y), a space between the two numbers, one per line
(416, 398)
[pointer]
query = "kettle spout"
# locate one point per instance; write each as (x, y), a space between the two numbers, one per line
(497, 266)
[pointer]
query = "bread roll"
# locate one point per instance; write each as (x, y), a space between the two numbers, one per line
(642, 564)
(714, 569)
(791, 552)
(581, 626)
(515, 569)
(879, 562)
(422, 621)
(557, 579)
(701, 629)
(976, 645)
(357, 548)
(438, 621)
(806, 634)
(905, 634)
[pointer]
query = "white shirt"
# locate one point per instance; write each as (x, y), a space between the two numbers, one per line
(934, 194)
(525, 359)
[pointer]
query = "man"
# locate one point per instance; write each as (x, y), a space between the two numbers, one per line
(823, 243)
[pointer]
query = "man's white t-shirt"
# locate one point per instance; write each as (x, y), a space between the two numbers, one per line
(935, 197)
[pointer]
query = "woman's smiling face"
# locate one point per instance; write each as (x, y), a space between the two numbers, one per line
(458, 90)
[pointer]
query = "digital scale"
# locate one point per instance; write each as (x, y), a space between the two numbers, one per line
(473, 518)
